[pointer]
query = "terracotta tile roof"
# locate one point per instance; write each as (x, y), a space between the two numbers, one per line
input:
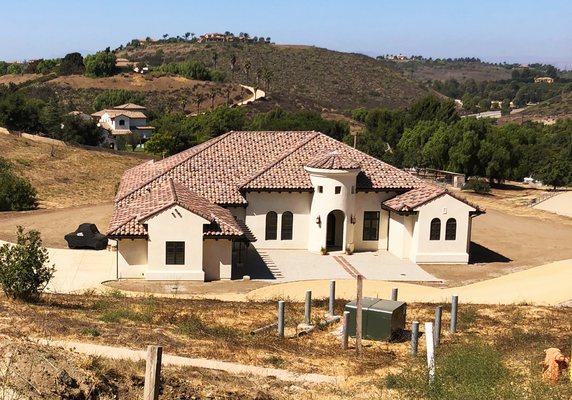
(333, 160)
(129, 106)
(130, 214)
(415, 198)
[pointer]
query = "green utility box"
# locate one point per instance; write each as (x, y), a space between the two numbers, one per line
(381, 319)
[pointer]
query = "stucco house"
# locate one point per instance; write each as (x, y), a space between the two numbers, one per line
(198, 214)
(124, 120)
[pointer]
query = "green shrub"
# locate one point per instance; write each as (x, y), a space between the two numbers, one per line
(91, 332)
(24, 267)
(100, 64)
(16, 193)
(478, 186)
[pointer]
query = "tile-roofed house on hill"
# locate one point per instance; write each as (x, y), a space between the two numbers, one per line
(124, 120)
(278, 190)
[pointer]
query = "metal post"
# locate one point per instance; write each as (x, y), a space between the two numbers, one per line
(414, 337)
(454, 308)
(359, 306)
(152, 373)
(430, 350)
(345, 330)
(332, 298)
(281, 319)
(437, 329)
(308, 308)
(394, 294)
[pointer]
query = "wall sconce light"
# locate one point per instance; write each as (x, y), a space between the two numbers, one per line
(318, 220)
(353, 219)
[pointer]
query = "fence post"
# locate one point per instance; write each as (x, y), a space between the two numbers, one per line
(152, 373)
(359, 312)
(332, 298)
(454, 309)
(437, 328)
(394, 294)
(281, 319)
(430, 350)
(345, 330)
(414, 337)
(308, 308)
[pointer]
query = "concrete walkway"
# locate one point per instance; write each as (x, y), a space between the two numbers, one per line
(122, 353)
(549, 284)
(559, 204)
(80, 270)
(256, 94)
(297, 265)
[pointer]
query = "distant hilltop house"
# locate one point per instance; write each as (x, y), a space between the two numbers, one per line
(124, 120)
(204, 213)
(125, 64)
(396, 57)
(544, 79)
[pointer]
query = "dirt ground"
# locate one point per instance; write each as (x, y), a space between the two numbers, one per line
(54, 224)
(17, 79)
(188, 287)
(215, 330)
(503, 243)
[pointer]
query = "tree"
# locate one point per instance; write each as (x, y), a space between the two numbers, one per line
(213, 94)
(114, 97)
(556, 172)
(413, 141)
(214, 59)
(100, 64)
(47, 66)
(247, 67)
(15, 69)
(72, 64)
(78, 130)
(3, 68)
(268, 75)
(51, 116)
(505, 107)
(187, 34)
(16, 193)
(232, 62)
(199, 98)
(24, 267)
(20, 113)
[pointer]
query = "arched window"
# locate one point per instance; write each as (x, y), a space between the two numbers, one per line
(286, 229)
(271, 225)
(121, 122)
(435, 233)
(451, 229)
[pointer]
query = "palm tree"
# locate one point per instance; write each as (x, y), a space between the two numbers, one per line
(268, 74)
(213, 94)
(199, 98)
(232, 62)
(247, 66)
(187, 34)
(258, 75)
(227, 90)
(215, 59)
(165, 36)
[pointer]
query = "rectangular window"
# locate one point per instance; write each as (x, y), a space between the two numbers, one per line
(320, 189)
(371, 225)
(338, 189)
(175, 253)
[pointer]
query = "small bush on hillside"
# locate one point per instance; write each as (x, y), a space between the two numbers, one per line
(16, 193)
(24, 267)
(100, 64)
(478, 186)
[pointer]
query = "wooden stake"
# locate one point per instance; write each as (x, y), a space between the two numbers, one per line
(308, 308)
(332, 298)
(152, 373)
(359, 311)
(437, 327)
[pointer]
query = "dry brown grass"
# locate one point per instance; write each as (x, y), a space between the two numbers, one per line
(220, 330)
(17, 79)
(67, 176)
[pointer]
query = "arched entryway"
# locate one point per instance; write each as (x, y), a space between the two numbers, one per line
(335, 230)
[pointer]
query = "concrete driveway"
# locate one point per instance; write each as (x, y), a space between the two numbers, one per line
(80, 270)
(297, 265)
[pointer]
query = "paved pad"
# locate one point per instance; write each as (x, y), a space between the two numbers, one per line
(296, 265)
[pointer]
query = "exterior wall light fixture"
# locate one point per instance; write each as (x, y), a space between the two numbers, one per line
(353, 219)
(318, 220)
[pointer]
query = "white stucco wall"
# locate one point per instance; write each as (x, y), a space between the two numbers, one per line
(259, 204)
(443, 251)
(175, 224)
(327, 201)
(400, 235)
(370, 201)
(131, 258)
(217, 259)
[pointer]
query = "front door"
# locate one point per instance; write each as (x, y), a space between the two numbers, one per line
(331, 230)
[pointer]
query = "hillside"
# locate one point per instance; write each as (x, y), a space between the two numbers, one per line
(64, 175)
(423, 71)
(301, 76)
(171, 93)
(559, 107)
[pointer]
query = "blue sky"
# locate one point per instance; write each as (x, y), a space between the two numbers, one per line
(502, 30)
